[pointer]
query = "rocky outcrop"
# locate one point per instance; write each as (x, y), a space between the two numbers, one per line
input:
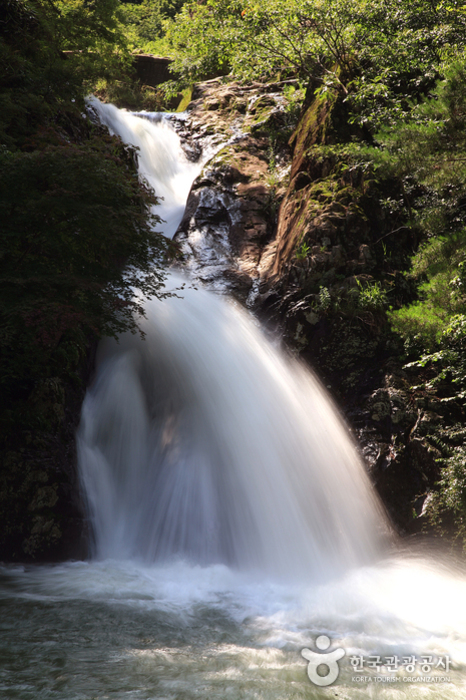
(230, 215)
(336, 266)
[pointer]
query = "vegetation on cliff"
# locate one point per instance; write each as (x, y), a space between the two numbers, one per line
(377, 55)
(145, 24)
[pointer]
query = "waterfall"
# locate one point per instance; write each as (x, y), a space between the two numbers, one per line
(204, 442)
(230, 513)
(161, 161)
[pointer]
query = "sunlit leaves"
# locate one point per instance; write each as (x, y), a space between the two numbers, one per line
(377, 54)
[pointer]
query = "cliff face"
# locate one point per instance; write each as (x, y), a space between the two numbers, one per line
(339, 263)
(285, 220)
(41, 509)
(227, 234)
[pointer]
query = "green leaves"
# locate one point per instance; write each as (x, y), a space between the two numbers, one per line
(429, 151)
(144, 23)
(78, 251)
(377, 55)
(72, 218)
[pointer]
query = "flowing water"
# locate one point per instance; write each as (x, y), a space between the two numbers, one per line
(233, 525)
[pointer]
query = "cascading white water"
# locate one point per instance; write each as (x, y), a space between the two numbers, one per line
(161, 161)
(203, 441)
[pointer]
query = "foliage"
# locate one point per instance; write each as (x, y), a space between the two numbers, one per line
(324, 300)
(446, 508)
(73, 211)
(374, 55)
(367, 302)
(43, 80)
(302, 251)
(441, 260)
(451, 355)
(72, 217)
(430, 145)
(144, 23)
(129, 94)
(431, 150)
(372, 297)
(428, 155)
(294, 96)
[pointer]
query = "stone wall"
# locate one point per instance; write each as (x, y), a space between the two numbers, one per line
(152, 70)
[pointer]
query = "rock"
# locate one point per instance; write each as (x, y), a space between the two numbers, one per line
(229, 208)
(365, 255)
(41, 513)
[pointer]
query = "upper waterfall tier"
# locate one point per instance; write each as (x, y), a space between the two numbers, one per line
(161, 160)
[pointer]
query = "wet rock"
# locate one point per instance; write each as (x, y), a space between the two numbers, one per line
(365, 255)
(229, 220)
(379, 405)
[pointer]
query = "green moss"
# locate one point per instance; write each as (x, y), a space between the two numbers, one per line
(315, 124)
(324, 190)
(186, 98)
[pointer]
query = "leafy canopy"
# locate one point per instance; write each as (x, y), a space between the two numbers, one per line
(78, 249)
(430, 150)
(377, 54)
(144, 23)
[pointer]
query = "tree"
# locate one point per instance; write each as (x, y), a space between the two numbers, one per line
(78, 245)
(145, 20)
(377, 55)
